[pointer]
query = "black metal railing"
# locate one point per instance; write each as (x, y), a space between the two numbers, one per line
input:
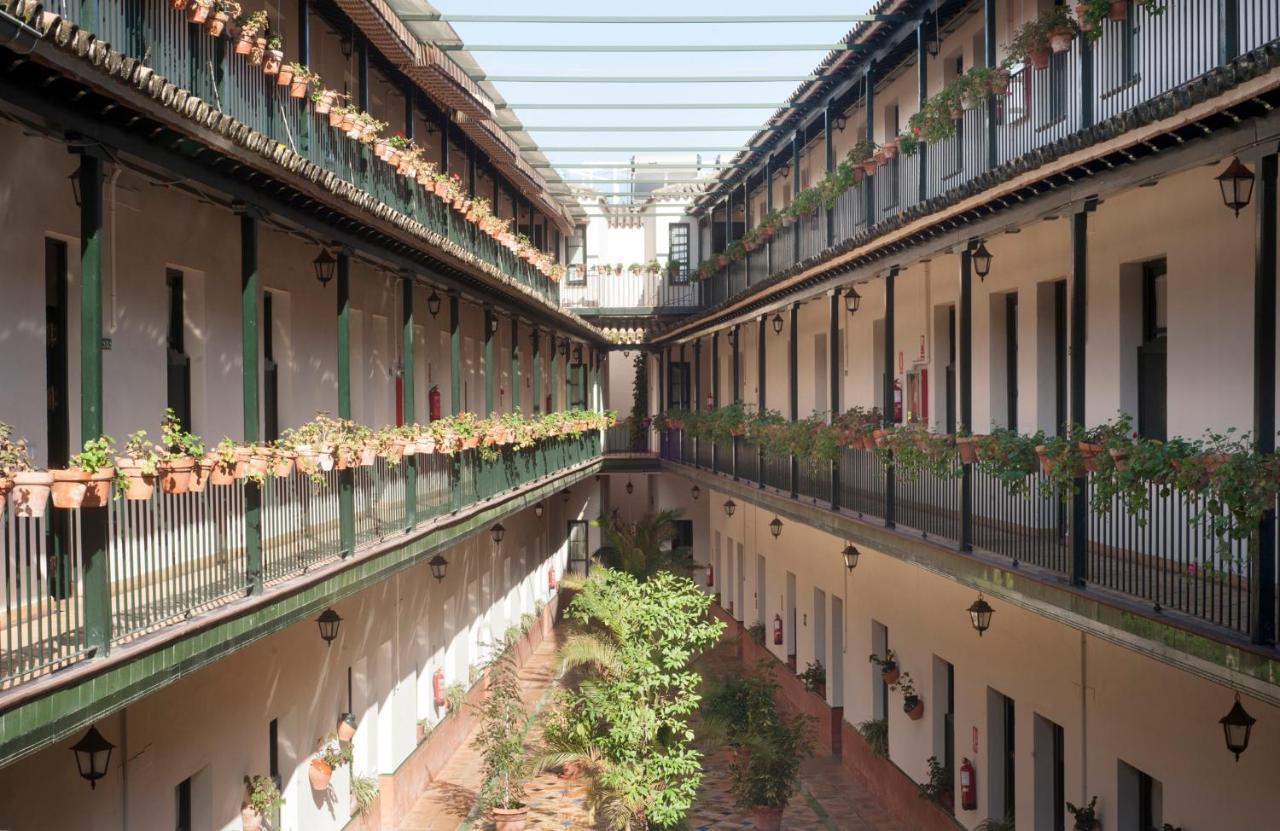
(595, 290)
(623, 438)
(1169, 555)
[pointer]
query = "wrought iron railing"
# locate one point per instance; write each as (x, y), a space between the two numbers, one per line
(173, 556)
(1169, 555)
(596, 290)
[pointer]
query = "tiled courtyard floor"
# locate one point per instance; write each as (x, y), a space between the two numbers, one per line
(829, 798)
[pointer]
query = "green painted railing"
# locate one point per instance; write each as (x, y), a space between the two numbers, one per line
(175, 555)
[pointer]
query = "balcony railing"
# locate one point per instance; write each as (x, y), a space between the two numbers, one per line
(596, 291)
(1163, 556)
(206, 66)
(175, 555)
(1130, 63)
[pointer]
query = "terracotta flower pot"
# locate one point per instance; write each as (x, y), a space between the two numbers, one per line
(272, 59)
(1060, 41)
(244, 43)
(319, 775)
(890, 676)
(325, 459)
(766, 819)
(510, 819)
(869, 166)
(216, 23)
(281, 466)
(307, 463)
(197, 13)
(335, 119)
(250, 819)
(199, 478)
(324, 103)
(1038, 57)
(175, 474)
(1090, 453)
(30, 493)
(968, 449)
(178, 4)
(1119, 11)
(221, 473)
(346, 729)
(914, 708)
(140, 485)
(298, 89)
(284, 76)
(69, 486)
(259, 461)
(368, 455)
(1047, 463)
(470, 442)
(257, 51)
(98, 493)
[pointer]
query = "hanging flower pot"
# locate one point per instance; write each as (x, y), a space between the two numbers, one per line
(1119, 11)
(306, 460)
(259, 461)
(140, 484)
(1047, 462)
(999, 82)
(178, 4)
(368, 455)
(346, 727)
(325, 458)
(284, 75)
(298, 89)
(1039, 57)
(272, 61)
(869, 166)
(250, 819)
(913, 706)
(335, 118)
(968, 449)
(319, 775)
(348, 120)
(175, 474)
(199, 477)
(221, 473)
(1089, 451)
(342, 461)
(258, 50)
(198, 12)
(1120, 457)
(244, 43)
(890, 150)
(281, 465)
(889, 672)
(69, 487)
(216, 23)
(1060, 40)
(324, 103)
(31, 492)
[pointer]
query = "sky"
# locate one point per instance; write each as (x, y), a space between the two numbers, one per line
(607, 63)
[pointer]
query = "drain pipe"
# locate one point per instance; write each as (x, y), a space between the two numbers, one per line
(19, 27)
(124, 769)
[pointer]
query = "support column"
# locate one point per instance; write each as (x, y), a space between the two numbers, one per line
(408, 412)
(922, 93)
(715, 392)
(93, 522)
(793, 385)
(762, 325)
(869, 106)
(553, 375)
(795, 191)
(890, 480)
(746, 226)
(249, 299)
(830, 154)
(535, 362)
(304, 58)
(455, 396)
(768, 209)
(490, 370)
(833, 360)
(1264, 389)
(1079, 275)
(989, 50)
(736, 377)
(964, 394)
(515, 364)
(346, 480)
(1228, 30)
(697, 388)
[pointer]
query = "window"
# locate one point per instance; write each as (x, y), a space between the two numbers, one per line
(179, 364)
(683, 537)
(1153, 390)
(579, 559)
(1001, 785)
(1141, 796)
(1050, 775)
(678, 251)
(678, 386)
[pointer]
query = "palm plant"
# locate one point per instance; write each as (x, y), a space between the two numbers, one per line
(645, 547)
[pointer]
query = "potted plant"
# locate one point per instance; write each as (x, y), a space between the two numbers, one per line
(501, 744)
(262, 801)
(332, 755)
(180, 450)
(346, 727)
(1085, 816)
(939, 786)
(247, 28)
(198, 11)
(876, 734)
(30, 487)
(274, 55)
(224, 463)
(814, 678)
(323, 99)
(86, 482)
(912, 703)
(1030, 43)
(222, 13)
(137, 468)
(888, 667)
(766, 771)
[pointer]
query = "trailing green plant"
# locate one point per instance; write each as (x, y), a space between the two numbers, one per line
(913, 450)
(814, 676)
(334, 753)
(15, 455)
(262, 795)
(640, 402)
(939, 784)
(364, 789)
(756, 633)
(454, 695)
(98, 454)
(175, 440)
(500, 739)
(142, 452)
(876, 734)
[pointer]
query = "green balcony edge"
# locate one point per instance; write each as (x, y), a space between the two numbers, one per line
(1235, 665)
(50, 716)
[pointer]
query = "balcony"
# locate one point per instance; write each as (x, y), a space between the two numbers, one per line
(1161, 559)
(173, 557)
(597, 293)
(181, 53)
(1130, 64)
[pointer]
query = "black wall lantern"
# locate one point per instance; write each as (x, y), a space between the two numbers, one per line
(329, 621)
(981, 260)
(777, 323)
(564, 348)
(93, 754)
(564, 494)
(980, 614)
(630, 487)
(851, 555)
(842, 121)
(695, 492)
(498, 532)
(852, 300)
(493, 322)
(733, 336)
(538, 510)
(325, 266)
(577, 354)
(438, 566)
(775, 528)
(1236, 183)
(1236, 726)
(730, 507)
(433, 303)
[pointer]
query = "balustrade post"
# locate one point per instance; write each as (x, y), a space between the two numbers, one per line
(795, 191)
(515, 364)
(1087, 96)
(761, 328)
(1228, 30)
(890, 495)
(346, 478)
(408, 410)
(249, 300)
(965, 391)
(793, 386)
(1263, 601)
(1079, 275)
(833, 353)
(455, 396)
(93, 521)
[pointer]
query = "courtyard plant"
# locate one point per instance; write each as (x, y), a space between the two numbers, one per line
(86, 481)
(262, 801)
(30, 487)
(500, 740)
(331, 755)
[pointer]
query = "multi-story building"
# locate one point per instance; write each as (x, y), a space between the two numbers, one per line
(1090, 232)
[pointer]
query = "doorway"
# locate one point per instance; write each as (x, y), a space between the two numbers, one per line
(579, 556)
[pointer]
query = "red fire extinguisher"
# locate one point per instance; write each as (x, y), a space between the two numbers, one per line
(777, 630)
(551, 578)
(711, 576)
(968, 786)
(433, 402)
(437, 687)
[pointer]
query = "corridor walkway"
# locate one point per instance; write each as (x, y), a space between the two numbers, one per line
(829, 800)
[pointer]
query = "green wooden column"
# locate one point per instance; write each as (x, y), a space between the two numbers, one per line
(93, 522)
(490, 329)
(407, 410)
(535, 362)
(249, 298)
(553, 360)
(346, 479)
(455, 396)
(515, 364)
